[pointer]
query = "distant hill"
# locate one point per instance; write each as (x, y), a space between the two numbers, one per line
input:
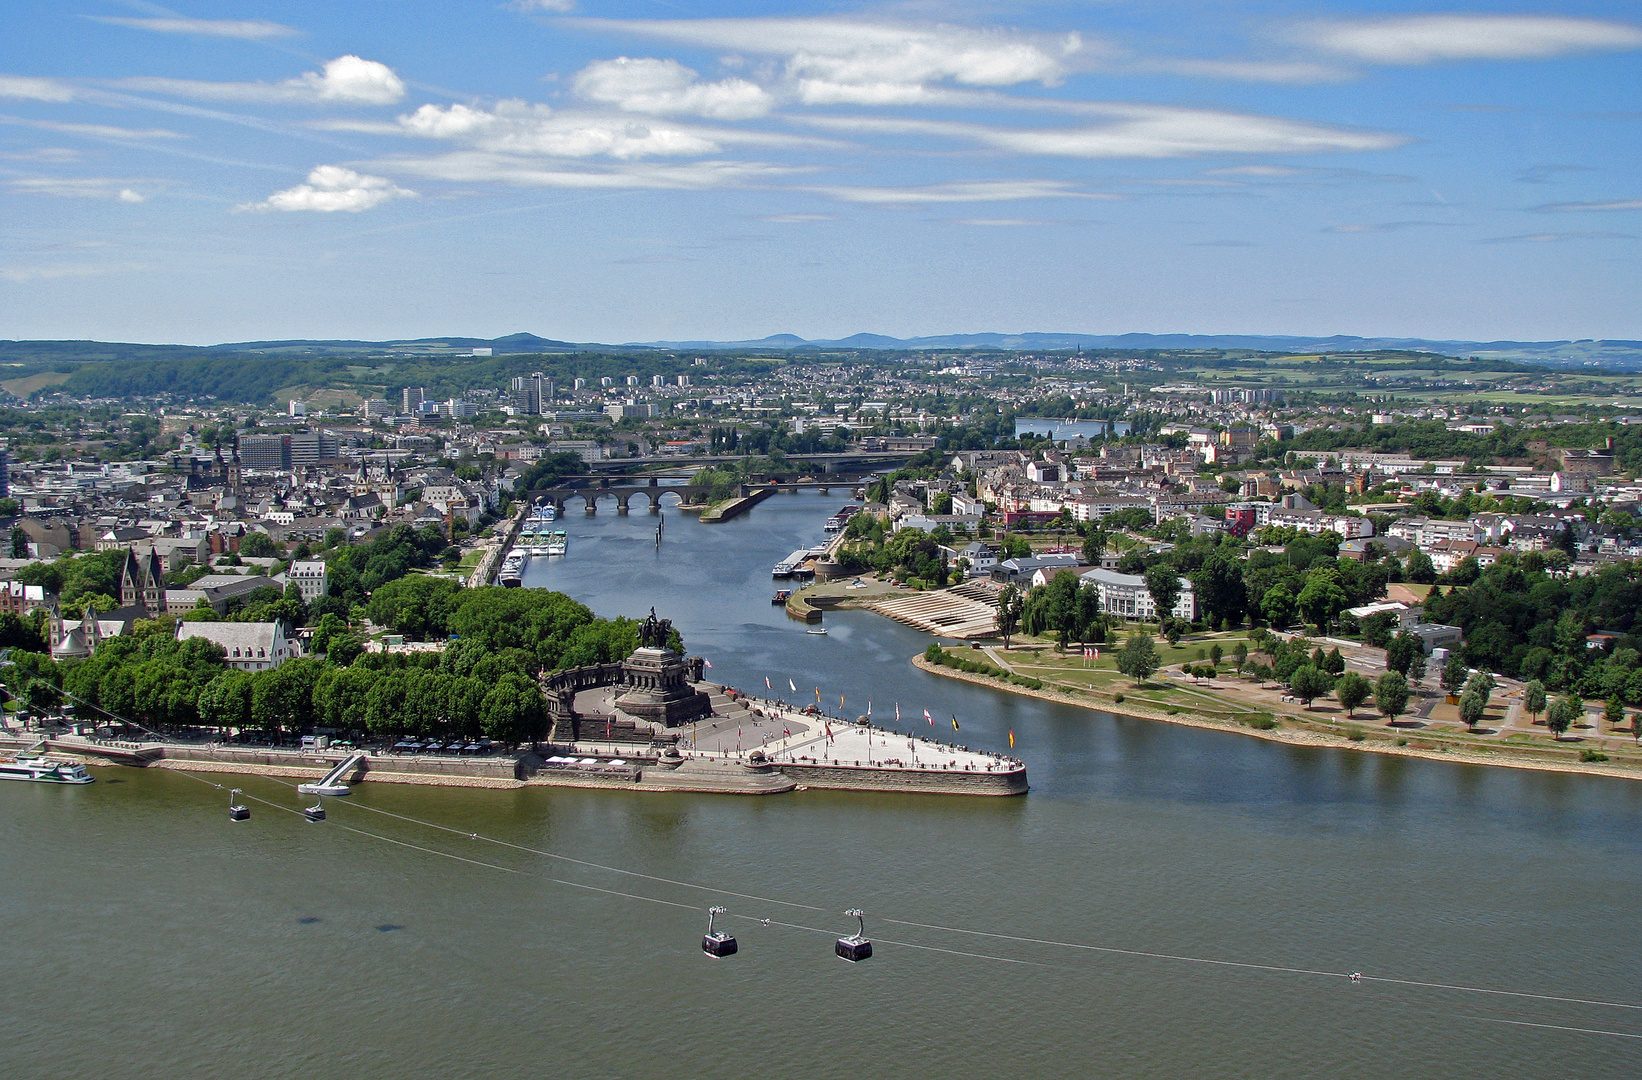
(1596, 353)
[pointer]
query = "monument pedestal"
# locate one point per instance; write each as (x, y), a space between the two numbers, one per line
(658, 688)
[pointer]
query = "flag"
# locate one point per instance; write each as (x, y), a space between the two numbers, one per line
(767, 685)
(1087, 653)
(869, 708)
(954, 723)
(791, 687)
(897, 712)
(829, 731)
(1011, 738)
(930, 718)
(787, 732)
(1097, 655)
(840, 701)
(818, 695)
(708, 664)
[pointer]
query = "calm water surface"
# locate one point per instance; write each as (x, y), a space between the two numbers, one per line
(148, 937)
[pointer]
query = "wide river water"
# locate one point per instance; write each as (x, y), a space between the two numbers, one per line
(147, 936)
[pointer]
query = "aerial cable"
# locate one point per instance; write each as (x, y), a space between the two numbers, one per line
(1355, 977)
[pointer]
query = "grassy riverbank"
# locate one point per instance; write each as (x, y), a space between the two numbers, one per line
(1156, 701)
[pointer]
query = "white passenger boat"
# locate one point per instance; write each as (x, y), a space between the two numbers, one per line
(558, 543)
(512, 573)
(42, 770)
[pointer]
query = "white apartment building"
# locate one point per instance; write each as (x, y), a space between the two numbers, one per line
(1126, 596)
(311, 578)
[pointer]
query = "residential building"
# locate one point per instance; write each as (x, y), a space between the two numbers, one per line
(248, 646)
(1126, 596)
(311, 578)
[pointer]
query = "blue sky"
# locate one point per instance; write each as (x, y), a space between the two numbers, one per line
(627, 171)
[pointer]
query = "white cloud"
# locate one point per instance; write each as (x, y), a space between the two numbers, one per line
(32, 89)
(845, 60)
(1424, 39)
(345, 80)
(667, 86)
(473, 167)
(556, 6)
(1142, 131)
(797, 219)
(1003, 222)
(245, 29)
(517, 127)
(959, 192)
(87, 187)
(1592, 207)
(1386, 226)
(331, 188)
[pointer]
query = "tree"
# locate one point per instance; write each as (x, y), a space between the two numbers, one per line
(1533, 698)
(1391, 695)
(1219, 588)
(1322, 597)
(1473, 707)
(1277, 606)
(1094, 546)
(1308, 683)
(1138, 657)
(257, 545)
(1241, 655)
(512, 712)
(1163, 582)
(1454, 674)
(1613, 712)
(1559, 718)
(225, 702)
(1009, 613)
(1351, 690)
(1399, 655)
(1334, 662)
(1216, 653)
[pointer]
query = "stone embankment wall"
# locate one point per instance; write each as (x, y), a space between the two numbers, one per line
(930, 781)
(454, 772)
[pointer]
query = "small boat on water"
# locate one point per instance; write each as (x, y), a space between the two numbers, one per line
(42, 770)
(818, 630)
(780, 596)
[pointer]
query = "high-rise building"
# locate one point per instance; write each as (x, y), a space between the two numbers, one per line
(377, 408)
(533, 392)
(297, 408)
(5, 475)
(684, 380)
(632, 380)
(658, 380)
(310, 447)
(410, 397)
(265, 451)
(607, 382)
(579, 384)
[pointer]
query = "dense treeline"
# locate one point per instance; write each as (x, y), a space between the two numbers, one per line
(483, 683)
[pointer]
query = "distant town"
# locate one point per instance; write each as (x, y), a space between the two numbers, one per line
(1463, 525)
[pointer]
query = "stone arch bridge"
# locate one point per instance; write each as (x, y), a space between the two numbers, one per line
(651, 494)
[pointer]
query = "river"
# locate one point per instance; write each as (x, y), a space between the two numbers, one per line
(150, 937)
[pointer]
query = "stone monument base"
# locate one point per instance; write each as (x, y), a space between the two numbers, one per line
(659, 690)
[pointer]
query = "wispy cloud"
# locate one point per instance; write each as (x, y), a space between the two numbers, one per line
(1387, 226)
(477, 167)
(1003, 222)
(97, 131)
(797, 219)
(28, 88)
(1591, 207)
(346, 80)
(331, 188)
(522, 128)
(24, 274)
(1555, 237)
(1544, 174)
(245, 29)
(78, 188)
(666, 87)
(960, 192)
(556, 7)
(1425, 39)
(1142, 131)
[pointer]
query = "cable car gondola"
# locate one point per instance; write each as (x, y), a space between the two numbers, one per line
(856, 947)
(716, 943)
(236, 812)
